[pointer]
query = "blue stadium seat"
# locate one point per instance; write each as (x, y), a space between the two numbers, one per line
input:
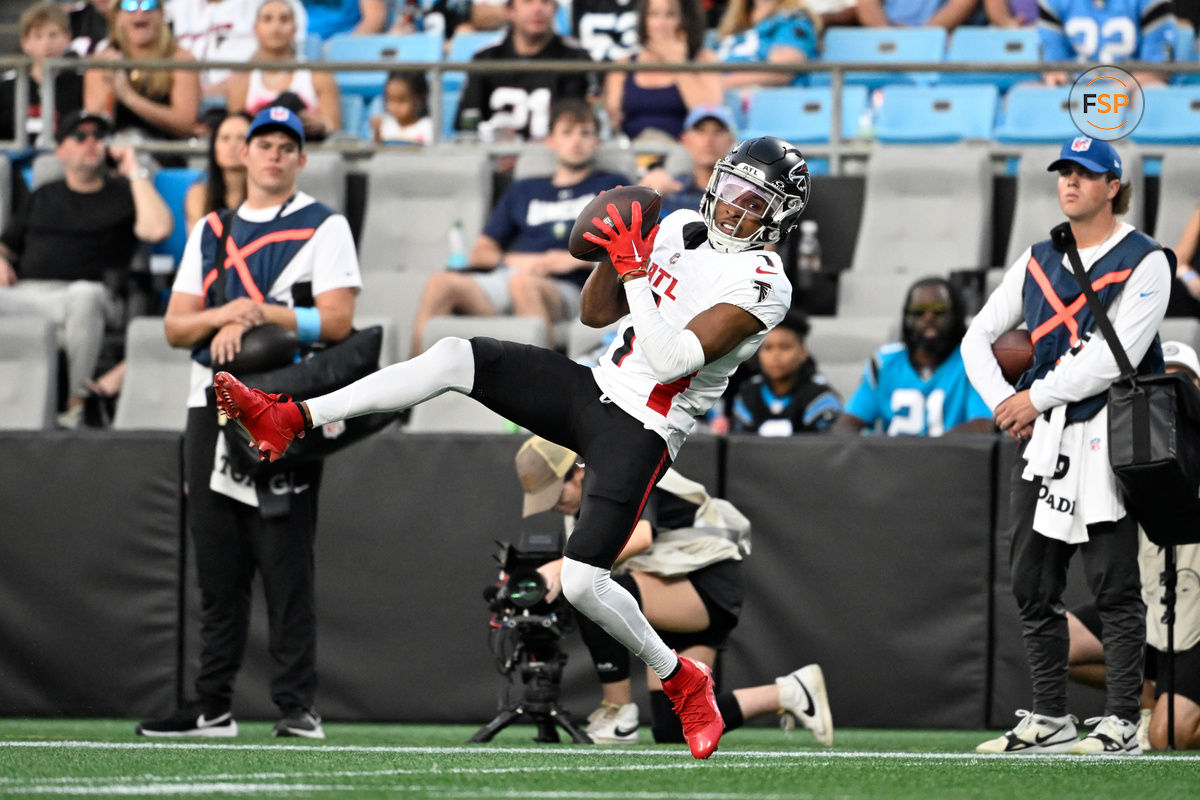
(977, 43)
(804, 114)
(172, 183)
(412, 47)
(936, 114)
(1036, 115)
(313, 46)
(353, 114)
(1172, 116)
(882, 46)
(450, 98)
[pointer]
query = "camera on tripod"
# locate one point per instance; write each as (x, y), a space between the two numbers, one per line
(526, 629)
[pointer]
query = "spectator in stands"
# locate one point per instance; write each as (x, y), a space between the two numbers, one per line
(1185, 289)
(1011, 13)
(449, 18)
(708, 133)
(682, 563)
(519, 102)
(89, 26)
(223, 185)
(312, 95)
(1106, 33)
(406, 113)
(948, 14)
(45, 33)
(223, 30)
(657, 103)
(72, 237)
(834, 12)
(918, 386)
(789, 396)
(770, 32)
(607, 29)
(360, 17)
(156, 104)
(523, 247)
(1086, 630)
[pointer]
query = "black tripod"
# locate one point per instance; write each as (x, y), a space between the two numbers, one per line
(539, 703)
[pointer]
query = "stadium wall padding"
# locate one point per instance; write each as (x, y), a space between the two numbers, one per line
(878, 558)
(89, 573)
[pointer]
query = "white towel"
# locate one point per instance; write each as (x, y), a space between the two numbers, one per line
(1078, 487)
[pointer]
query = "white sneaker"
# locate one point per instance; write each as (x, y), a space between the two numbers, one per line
(1035, 733)
(1143, 734)
(802, 697)
(614, 724)
(1112, 736)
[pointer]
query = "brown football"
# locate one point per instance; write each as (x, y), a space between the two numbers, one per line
(1014, 353)
(623, 197)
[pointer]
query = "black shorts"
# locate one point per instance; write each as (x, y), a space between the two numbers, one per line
(559, 400)
(1186, 664)
(721, 588)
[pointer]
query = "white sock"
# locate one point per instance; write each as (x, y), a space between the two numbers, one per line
(592, 591)
(447, 366)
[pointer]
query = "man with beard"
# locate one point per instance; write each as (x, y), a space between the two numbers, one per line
(520, 264)
(918, 387)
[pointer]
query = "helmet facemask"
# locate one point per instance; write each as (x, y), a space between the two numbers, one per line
(751, 198)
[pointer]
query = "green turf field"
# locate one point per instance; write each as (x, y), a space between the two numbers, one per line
(102, 758)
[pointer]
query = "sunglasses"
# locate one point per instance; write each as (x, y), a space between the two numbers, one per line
(140, 5)
(938, 310)
(83, 136)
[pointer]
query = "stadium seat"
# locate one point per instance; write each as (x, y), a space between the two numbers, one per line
(1181, 329)
(324, 177)
(1036, 209)
(842, 345)
(1172, 116)
(456, 412)
(157, 380)
(1178, 192)
(389, 350)
(1036, 115)
(881, 46)
(413, 47)
(936, 114)
(926, 210)
(173, 183)
(28, 372)
(393, 296)
(536, 161)
(995, 45)
(414, 199)
(583, 339)
(804, 114)
(874, 294)
(5, 191)
(354, 116)
(313, 46)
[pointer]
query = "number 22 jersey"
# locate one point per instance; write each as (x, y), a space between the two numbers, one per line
(688, 277)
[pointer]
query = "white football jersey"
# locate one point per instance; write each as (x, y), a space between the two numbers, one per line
(687, 282)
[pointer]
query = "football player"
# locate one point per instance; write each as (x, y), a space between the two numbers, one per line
(692, 299)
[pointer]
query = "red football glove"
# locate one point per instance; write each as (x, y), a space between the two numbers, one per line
(628, 250)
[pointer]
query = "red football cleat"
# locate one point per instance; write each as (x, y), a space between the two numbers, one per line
(272, 420)
(691, 691)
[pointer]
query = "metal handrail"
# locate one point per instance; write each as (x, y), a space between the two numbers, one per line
(837, 73)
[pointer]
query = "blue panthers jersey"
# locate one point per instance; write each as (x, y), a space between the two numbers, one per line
(908, 405)
(1107, 31)
(789, 28)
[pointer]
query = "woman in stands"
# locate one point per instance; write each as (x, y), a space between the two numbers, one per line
(157, 104)
(670, 32)
(224, 184)
(313, 96)
(766, 31)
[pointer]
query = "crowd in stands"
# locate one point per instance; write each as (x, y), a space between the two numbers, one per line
(520, 261)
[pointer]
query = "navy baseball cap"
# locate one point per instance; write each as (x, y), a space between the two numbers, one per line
(277, 118)
(720, 113)
(1094, 154)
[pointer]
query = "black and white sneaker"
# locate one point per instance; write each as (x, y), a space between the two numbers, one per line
(1112, 736)
(190, 721)
(1035, 733)
(300, 722)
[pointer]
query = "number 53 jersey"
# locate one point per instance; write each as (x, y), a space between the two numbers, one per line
(688, 277)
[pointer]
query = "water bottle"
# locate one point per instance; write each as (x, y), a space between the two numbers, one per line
(808, 257)
(457, 251)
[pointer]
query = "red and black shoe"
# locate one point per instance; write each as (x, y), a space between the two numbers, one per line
(272, 420)
(691, 692)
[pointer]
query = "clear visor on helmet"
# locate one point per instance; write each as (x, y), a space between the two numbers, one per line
(754, 201)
